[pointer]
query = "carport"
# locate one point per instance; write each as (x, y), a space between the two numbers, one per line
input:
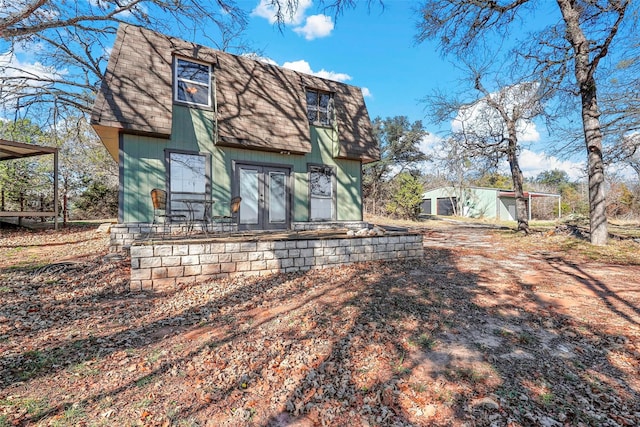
(10, 150)
(529, 195)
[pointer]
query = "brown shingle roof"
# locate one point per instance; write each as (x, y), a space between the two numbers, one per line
(259, 106)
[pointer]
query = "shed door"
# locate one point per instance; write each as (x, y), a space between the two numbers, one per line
(426, 207)
(445, 206)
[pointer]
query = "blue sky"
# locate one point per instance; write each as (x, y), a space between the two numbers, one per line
(375, 49)
(370, 48)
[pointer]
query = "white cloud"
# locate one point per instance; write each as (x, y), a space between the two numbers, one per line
(266, 10)
(485, 121)
(430, 143)
(257, 57)
(623, 171)
(332, 75)
(533, 163)
(527, 131)
(20, 77)
(27, 49)
(366, 92)
(316, 26)
(481, 119)
(303, 66)
(12, 66)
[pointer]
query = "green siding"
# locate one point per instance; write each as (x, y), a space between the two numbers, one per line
(144, 167)
(143, 171)
(475, 202)
(348, 194)
(193, 130)
(481, 202)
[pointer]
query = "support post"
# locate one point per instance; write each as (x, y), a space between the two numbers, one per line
(559, 207)
(55, 189)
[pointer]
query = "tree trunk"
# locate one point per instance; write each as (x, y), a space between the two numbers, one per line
(516, 177)
(584, 70)
(595, 167)
(65, 212)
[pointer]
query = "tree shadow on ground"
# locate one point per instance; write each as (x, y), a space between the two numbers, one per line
(430, 342)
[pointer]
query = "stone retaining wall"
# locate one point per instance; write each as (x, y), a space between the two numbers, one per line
(163, 265)
(123, 235)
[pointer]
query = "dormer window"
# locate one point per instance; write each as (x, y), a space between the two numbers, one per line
(192, 83)
(319, 107)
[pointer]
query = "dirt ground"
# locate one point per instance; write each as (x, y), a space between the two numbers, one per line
(489, 329)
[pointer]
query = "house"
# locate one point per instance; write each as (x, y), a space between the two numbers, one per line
(480, 202)
(205, 124)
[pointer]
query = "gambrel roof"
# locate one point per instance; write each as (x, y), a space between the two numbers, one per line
(257, 105)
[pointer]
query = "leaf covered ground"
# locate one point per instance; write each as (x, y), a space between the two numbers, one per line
(489, 329)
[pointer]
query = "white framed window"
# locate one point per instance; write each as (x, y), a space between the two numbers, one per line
(189, 178)
(319, 107)
(192, 82)
(321, 193)
(187, 173)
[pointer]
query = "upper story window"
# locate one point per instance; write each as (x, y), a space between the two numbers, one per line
(320, 107)
(192, 83)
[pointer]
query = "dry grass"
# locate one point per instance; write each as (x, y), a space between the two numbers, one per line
(553, 235)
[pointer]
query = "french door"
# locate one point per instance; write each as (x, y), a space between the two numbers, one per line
(265, 197)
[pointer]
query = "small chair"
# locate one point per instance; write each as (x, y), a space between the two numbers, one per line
(234, 208)
(159, 200)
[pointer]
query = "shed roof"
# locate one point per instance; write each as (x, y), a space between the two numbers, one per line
(499, 192)
(259, 106)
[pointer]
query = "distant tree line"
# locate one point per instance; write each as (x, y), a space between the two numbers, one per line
(393, 186)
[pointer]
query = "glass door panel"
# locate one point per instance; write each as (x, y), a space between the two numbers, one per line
(249, 191)
(277, 197)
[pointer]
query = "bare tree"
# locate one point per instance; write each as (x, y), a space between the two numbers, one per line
(629, 152)
(25, 18)
(487, 129)
(68, 44)
(566, 54)
(513, 105)
(622, 114)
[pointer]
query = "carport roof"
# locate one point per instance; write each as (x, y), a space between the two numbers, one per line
(526, 194)
(10, 150)
(15, 150)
